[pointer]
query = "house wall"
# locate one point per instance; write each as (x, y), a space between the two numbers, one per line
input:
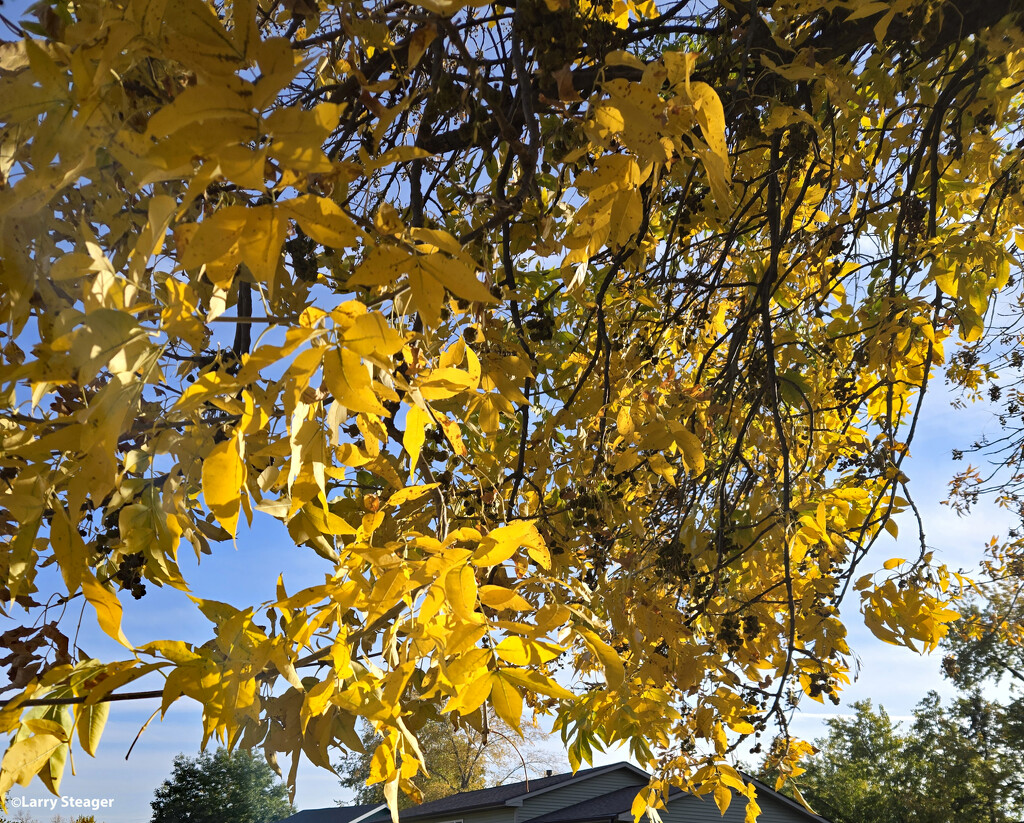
(562, 797)
(691, 809)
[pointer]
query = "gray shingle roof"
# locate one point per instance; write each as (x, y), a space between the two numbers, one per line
(496, 796)
(604, 807)
(334, 814)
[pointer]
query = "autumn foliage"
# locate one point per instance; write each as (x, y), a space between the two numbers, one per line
(584, 342)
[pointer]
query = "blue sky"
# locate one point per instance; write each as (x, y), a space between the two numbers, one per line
(894, 677)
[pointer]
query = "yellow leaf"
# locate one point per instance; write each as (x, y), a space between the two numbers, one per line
(215, 240)
(453, 355)
(505, 541)
(198, 104)
(723, 797)
(441, 384)
(69, 549)
(416, 420)
(800, 798)
(410, 493)
(639, 805)
(46, 725)
(614, 671)
(326, 521)
(25, 759)
(348, 380)
(690, 448)
(867, 10)
(108, 608)
(521, 651)
(397, 154)
(224, 481)
(506, 700)
(382, 764)
(500, 598)
(427, 293)
(298, 138)
(660, 466)
(473, 368)
(539, 553)
(535, 682)
(460, 586)
(470, 696)
(625, 58)
(882, 26)
(323, 220)
(457, 277)
(371, 334)
(754, 811)
(453, 434)
(432, 240)
(265, 232)
(719, 737)
(90, 722)
(429, 275)
(945, 279)
(44, 68)
(624, 217)
(624, 422)
(317, 699)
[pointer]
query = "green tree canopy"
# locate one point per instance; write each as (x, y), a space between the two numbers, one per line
(222, 787)
(860, 772)
(987, 645)
(962, 762)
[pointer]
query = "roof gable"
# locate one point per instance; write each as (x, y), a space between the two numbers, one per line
(510, 794)
(602, 807)
(580, 777)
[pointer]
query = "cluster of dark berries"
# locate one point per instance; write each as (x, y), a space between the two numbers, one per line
(729, 633)
(584, 510)
(129, 574)
(541, 328)
(822, 685)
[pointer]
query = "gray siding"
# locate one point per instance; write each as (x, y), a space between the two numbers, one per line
(563, 797)
(690, 809)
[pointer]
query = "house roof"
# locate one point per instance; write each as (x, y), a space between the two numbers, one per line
(335, 814)
(509, 794)
(610, 806)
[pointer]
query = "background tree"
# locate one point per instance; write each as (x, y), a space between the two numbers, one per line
(861, 772)
(958, 762)
(460, 758)
(976, 740)
(985, 649)
(222, 787)
(987, 645)
(571, 337)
